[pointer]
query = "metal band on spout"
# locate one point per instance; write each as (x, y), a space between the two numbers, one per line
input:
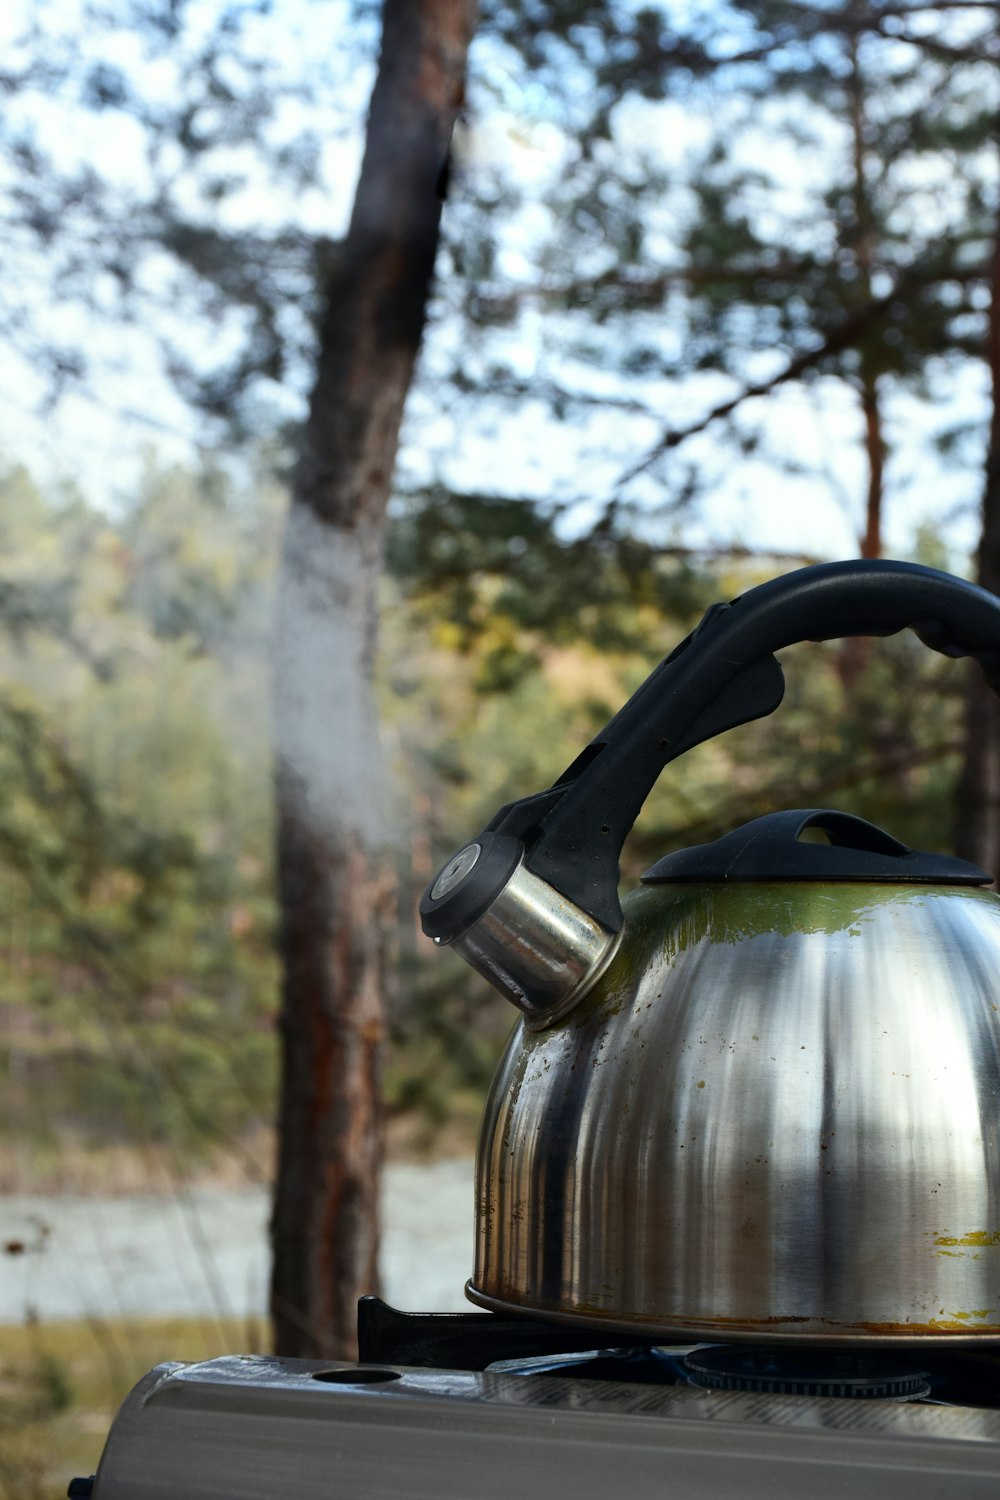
(537, 948)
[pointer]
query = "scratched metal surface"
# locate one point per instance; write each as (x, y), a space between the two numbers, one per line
(776, 1116)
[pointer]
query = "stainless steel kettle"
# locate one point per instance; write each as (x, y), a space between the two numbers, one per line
(760, 1098)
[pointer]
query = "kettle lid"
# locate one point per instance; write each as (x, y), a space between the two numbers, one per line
(771, 848)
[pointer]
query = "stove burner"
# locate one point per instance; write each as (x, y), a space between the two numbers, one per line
(956, 1375)
(801, 1372)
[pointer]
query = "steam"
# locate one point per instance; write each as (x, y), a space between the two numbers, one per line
(325, 730)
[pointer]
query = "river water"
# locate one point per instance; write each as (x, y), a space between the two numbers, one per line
(204, 1250)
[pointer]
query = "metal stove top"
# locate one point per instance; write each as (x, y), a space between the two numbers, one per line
(473, 1405)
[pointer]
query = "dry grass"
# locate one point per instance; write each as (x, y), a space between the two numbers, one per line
(114, 1171)
(409, 1137)
(74, 1166)
(61, 1384)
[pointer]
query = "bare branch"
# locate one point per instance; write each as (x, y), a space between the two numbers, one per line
(836, 342)
(648, 289)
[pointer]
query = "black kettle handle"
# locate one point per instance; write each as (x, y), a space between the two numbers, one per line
(721, 675)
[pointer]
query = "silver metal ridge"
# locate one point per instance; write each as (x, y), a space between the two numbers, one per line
(536, 947)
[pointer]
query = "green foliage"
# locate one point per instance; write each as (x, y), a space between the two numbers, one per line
(499, 575)
(901, 146)
(136, 915)
(720, 198)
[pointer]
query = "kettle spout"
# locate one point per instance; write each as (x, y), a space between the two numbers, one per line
(538, 948)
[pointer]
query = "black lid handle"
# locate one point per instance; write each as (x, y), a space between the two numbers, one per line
(721, 675)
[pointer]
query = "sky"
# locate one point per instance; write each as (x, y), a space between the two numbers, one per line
(102, 432)
(99, 436)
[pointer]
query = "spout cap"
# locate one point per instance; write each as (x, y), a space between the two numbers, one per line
(467, 885)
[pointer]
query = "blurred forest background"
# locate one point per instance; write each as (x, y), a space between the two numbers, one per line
(140, 978)
(714, 297)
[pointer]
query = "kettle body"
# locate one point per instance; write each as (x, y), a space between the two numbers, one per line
(760, 1098)
(776, 1116)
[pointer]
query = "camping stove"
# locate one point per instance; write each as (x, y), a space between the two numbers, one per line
(488, 1407)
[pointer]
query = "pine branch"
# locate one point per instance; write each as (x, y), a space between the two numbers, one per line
(809, 793)
(983, 51)
(646, 289)
(841, 338)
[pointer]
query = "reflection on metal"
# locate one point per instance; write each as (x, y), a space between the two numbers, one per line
(456, 870)
(540, 950)
(256, 1428)
(776, 1116)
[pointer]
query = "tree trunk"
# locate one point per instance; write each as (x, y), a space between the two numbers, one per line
(335, 891)
(871, 541)
(977, 802)
(855, 651)
(864, 236)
